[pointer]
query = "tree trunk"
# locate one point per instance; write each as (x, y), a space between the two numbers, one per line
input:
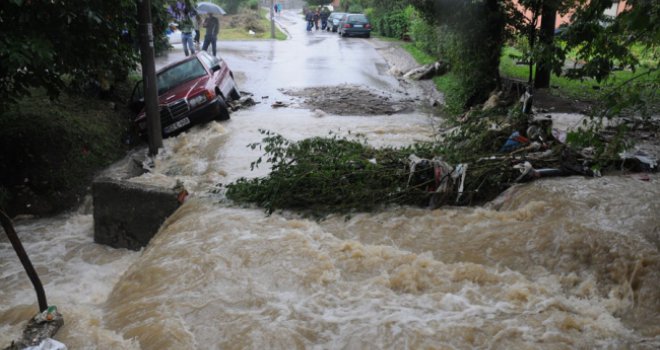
(546, 37)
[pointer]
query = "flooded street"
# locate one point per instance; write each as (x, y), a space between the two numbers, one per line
(553, 264)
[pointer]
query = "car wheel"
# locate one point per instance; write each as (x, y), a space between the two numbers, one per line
(234, 94)
(368, 35)
(224, 111)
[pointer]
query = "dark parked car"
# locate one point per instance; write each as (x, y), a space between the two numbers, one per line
(191, 91)
(355, 24)
(333, 21)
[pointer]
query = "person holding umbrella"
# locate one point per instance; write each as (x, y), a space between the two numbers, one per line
(212, 26)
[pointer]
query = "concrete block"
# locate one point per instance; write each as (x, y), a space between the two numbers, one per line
(127, 214)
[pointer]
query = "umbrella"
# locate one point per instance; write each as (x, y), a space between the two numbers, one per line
(208, 7)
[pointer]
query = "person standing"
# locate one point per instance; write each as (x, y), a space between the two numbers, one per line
(325, 13)
(196, 21)
(317, 15)
(309, 17)
(212, 26)
(186, 27)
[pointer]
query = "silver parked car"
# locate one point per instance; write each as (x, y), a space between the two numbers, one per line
(333, 21)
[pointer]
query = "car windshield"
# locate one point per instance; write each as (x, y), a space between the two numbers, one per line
(179, 74)
(357, 19)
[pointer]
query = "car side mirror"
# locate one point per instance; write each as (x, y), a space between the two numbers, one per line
(216, 67)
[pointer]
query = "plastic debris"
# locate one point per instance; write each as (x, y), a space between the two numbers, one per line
(648, 161)
(47, 315)
(48, 344)
(461, 170)
(514, 142)
(559, 135)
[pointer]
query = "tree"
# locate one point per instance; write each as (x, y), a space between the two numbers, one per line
(58, 44)
(318, 2)
(475, 31)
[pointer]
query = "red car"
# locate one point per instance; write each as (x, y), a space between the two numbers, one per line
(191, 91)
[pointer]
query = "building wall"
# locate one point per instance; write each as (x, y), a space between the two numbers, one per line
(616, 9)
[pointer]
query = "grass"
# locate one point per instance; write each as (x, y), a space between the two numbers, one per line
(448, 83)
(586, 89)
(420, 56)
(228, 33)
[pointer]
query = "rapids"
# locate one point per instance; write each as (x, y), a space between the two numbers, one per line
(553, 264)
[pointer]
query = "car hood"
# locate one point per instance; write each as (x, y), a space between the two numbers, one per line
(185, 90)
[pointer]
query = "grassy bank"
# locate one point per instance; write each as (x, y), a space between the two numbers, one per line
(448, 84)
(52, 149)
(237, 27)
(584, 89)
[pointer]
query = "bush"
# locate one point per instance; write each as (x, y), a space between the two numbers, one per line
(323, 175)
(393, 24)
(355, 8)
(425, 36)
(51, 149)
(253, 4)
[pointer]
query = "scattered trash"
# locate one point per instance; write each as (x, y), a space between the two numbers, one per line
(461, 170)
(47, 315)
(526, 101)
(48, 344)
(514, 142)
(647, 161)
(251, 32)
(182, 193)
(643, 177)
(182, 196)
(527, 172)
(559, 135)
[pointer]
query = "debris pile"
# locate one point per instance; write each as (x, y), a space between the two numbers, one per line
(487, 151)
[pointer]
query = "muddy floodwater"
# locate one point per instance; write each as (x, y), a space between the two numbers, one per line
(569, 263)
(556, 264)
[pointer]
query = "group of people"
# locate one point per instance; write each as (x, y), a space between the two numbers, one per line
(277, 8)
(189, 25)
(313, 17)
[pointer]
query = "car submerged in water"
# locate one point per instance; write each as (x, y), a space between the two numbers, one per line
(191, 91)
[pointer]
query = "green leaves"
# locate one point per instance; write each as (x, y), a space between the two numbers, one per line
(54, 44)
(330, 174)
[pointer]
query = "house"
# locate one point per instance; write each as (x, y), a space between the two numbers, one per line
(616, 8)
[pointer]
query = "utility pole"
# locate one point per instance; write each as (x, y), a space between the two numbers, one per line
(272, 21)
(154, 130)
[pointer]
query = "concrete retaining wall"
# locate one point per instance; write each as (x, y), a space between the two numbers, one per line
(126, 214)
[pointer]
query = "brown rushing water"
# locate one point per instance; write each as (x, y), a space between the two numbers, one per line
(556, 264)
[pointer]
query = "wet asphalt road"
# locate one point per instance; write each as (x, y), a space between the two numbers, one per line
(306, 59)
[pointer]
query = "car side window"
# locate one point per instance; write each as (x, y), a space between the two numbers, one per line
(207, 59)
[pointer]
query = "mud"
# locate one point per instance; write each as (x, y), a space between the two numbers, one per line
(352, 100)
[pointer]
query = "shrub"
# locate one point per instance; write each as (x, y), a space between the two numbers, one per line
(355, 8)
